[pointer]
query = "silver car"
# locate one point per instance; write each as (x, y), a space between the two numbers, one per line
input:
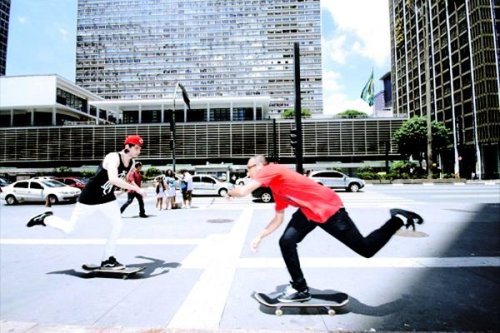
(337, 180)
(38, 191)
(209, 185)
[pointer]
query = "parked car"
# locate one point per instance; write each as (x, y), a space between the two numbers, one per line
(243, 180)
(3, 182)
(209, 185)
(72, 181)
(264, 194)
(337, 180)
(38, 190)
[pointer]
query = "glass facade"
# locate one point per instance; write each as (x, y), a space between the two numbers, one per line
(462, 38)
(139, 49)
(4, 32)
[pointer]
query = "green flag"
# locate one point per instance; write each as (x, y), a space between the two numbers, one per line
(368, 93)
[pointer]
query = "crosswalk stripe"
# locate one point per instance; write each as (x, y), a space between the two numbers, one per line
(383, 262)
(99, 241)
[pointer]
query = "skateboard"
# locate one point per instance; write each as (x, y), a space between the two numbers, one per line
(329, 302)
(124, 273)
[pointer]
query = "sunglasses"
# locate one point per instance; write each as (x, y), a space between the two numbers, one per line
(249, 167)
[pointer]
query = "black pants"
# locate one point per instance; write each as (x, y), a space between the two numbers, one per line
(339, 226)
(130, 198)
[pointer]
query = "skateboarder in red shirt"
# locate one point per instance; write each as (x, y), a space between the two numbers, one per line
(318, 206)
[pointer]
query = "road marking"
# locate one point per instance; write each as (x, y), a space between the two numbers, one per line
(100, 241)
(385, 262)
(218, 255)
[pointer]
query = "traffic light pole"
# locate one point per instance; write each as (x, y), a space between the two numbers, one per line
(298, 109)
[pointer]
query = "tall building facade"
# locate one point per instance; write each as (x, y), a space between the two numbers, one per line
(452, 47)
(4, 33)
(140, 49)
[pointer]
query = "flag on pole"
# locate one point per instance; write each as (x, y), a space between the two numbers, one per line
(185, 96)
(368, 93)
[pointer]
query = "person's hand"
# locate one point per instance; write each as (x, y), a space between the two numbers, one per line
(255, 243)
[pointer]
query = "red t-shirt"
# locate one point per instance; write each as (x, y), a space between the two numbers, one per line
(317, 202)
(135, 176)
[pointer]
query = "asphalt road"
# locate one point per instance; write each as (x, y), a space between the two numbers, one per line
(200, 272)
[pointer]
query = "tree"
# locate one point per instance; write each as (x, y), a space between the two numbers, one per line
(351, 114)
(290, 113)
(411, 138)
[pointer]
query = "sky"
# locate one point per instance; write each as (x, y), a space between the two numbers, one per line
(355, 40)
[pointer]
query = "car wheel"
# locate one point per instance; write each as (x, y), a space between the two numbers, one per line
(353, 187)
(266, 197)
(53, 199)
(223, 192)
(11, 200)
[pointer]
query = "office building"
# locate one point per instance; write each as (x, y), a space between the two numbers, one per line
(451, 47)
(140, 49)
(4, 33)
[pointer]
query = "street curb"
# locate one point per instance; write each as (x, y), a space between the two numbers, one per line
(435, 182)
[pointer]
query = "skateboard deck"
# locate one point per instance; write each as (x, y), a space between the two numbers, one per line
(329, 302)
(124, 273)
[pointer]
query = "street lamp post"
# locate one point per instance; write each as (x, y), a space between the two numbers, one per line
(425, 11)
(185, 97)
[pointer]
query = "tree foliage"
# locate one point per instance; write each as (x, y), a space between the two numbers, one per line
(352, 114)
(152, 172)
(411, 138)
(290, 113)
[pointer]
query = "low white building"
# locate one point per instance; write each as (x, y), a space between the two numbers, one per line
(47, 100)
(51, 100)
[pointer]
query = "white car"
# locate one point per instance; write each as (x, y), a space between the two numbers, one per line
(209, 185)
(336, 179)
(243, 181)
(38, 190)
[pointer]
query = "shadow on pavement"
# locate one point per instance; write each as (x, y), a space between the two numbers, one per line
(153, 268)
(455, 298)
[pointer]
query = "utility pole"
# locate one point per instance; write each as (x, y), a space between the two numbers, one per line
(298, 112)
(426, 13)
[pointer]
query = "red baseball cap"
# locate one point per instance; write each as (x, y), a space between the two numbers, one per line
(134, 140)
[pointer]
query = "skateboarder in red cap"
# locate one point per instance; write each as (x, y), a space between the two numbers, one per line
(98, 197)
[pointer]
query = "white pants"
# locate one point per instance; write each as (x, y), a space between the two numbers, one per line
(110, 210)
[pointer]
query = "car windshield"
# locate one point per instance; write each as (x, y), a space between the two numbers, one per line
(83, 180)
(52, 183)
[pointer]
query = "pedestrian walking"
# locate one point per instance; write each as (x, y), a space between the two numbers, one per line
(170, 181)
(186, 188)
(161, 189)
(318, 206)
(98, 198)
(135, 178)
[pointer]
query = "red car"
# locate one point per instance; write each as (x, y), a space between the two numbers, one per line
(71, 181)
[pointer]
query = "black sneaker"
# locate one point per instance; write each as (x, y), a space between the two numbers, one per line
(411, 217)
(292, 295)
(112, 263)
(143, 215)
(38, 220)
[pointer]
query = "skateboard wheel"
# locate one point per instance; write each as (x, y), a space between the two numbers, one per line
(331, 312)
(278, 312)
